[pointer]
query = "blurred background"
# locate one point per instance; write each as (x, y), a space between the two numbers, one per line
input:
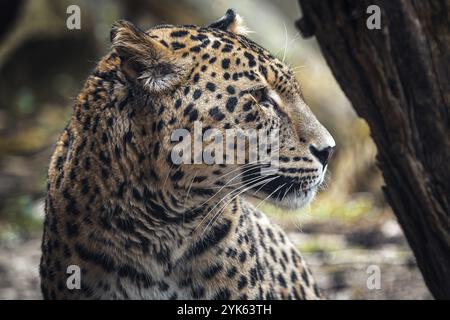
(43, 65)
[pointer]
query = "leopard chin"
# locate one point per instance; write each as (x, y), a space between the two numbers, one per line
(285, 192)
(296, 200)
(291, 201)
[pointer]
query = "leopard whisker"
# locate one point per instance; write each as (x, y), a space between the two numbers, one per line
(225, 197)
(270, 195)
(286, 192)
(252, 165)
(234, 197)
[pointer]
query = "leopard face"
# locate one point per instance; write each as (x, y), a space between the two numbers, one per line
(219, 78)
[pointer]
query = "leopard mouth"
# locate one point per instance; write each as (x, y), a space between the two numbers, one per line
(283, 191)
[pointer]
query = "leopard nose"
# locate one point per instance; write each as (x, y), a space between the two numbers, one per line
(323, 155)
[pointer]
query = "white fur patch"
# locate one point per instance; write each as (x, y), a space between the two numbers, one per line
(239, 27)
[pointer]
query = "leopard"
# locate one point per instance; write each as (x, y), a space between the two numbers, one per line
(123, 220)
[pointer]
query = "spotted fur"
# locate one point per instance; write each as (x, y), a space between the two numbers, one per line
(140, 227)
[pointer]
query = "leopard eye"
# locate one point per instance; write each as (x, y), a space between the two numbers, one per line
(265, 99)
(257, 93)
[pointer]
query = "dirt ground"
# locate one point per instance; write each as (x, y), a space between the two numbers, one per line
(19, 275)
(342, 272)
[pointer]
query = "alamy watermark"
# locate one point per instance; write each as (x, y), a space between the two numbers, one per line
(73, 21)
(374, 279)
(374, 20)
(74, 279)
(231, 146)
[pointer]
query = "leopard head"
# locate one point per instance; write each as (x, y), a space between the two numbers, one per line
(186, 80)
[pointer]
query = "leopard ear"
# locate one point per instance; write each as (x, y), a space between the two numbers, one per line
(232, 22)
(145, 60)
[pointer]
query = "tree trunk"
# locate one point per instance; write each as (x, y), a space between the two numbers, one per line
(398, 79)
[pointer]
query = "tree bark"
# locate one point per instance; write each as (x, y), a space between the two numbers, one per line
(398, 79)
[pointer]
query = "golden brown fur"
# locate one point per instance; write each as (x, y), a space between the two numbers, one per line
(141, 227)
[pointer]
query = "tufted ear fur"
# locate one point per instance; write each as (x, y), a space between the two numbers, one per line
(143, 59)
(232, 22)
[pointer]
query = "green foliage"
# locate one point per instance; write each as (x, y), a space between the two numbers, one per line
(21, 217)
